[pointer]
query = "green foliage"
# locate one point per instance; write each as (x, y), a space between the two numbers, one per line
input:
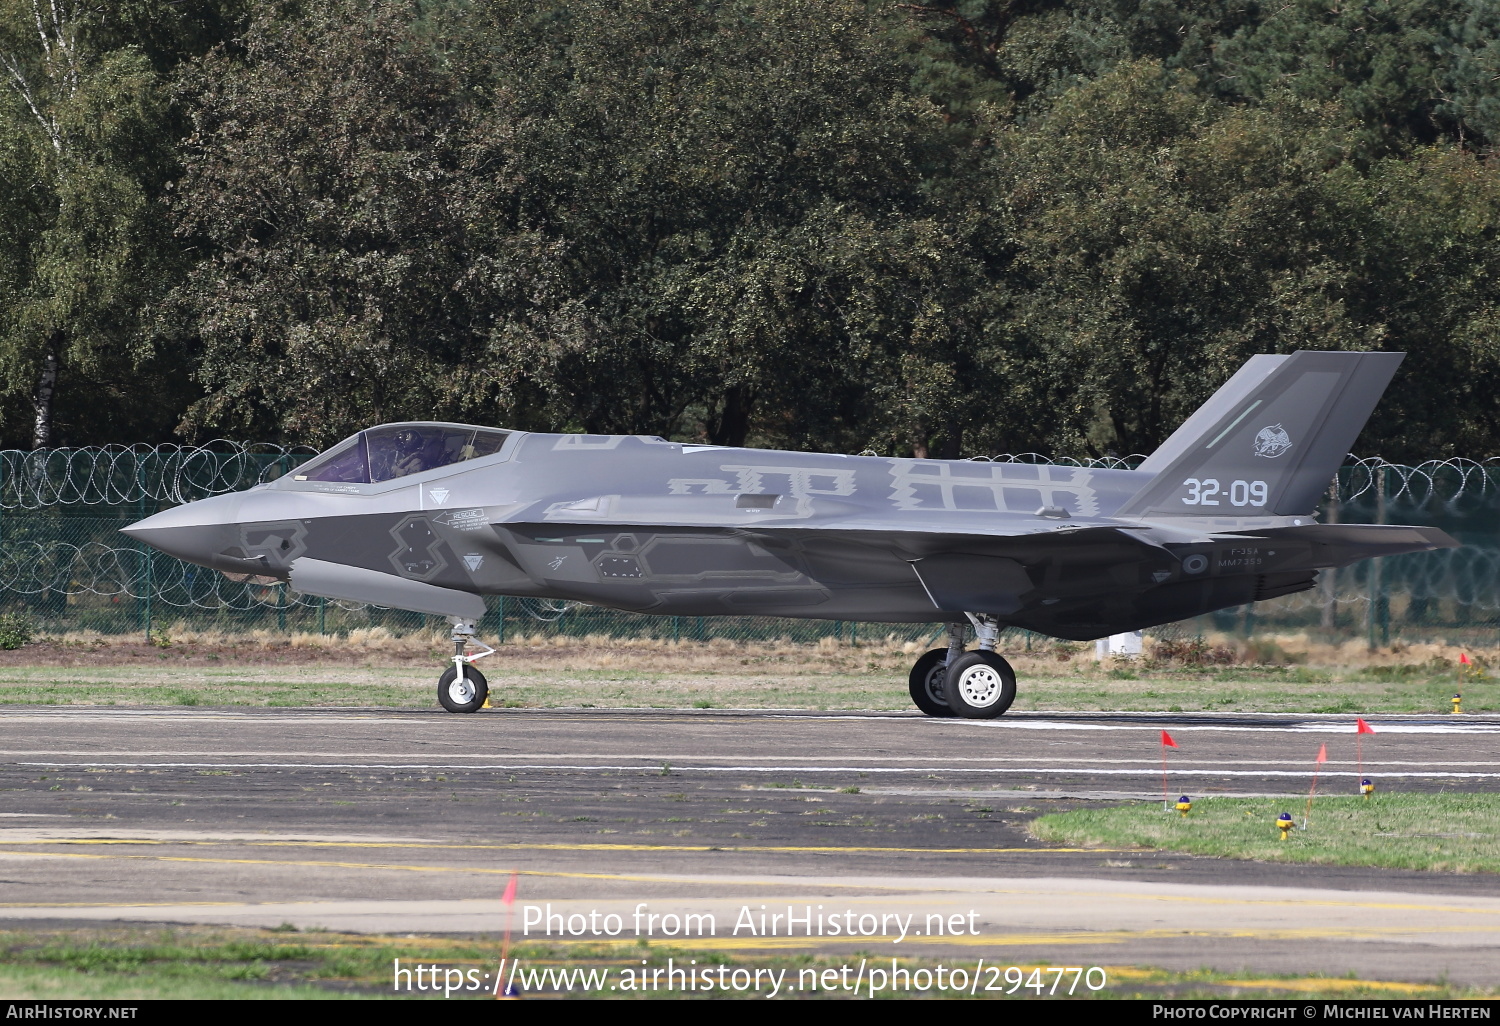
(931, 229)
(16, 629)
(86, 153)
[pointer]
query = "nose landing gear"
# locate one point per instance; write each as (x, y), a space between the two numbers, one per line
(977, 685)
(461, 688)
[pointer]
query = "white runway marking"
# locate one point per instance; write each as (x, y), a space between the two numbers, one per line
(654, 761)
(1174, 771)
(1145, 722)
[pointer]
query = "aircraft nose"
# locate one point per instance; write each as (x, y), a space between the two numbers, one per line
(198, 532)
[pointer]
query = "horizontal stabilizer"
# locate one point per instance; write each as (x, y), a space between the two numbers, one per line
(1269, 441)
(1342, 544)
(356, 584)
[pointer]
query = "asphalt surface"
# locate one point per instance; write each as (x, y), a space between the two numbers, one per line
(402, 821)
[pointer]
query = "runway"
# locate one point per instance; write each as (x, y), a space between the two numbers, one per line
(396, 822)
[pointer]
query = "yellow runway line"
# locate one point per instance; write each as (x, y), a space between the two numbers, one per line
(1329, 983)
(1197, 899)
(634, 878)
(1017, 940)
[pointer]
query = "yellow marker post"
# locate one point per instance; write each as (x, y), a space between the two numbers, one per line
(1284, 824)
(1366, 788)
(1458, 699)
(1184, 805)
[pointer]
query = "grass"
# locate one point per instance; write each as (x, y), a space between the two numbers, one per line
(1457, 833)
(881, 686)
(124, 962)
(375, 669)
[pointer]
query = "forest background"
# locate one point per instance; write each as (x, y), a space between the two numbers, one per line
(932, 229)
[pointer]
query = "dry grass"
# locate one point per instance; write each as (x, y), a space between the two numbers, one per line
(378, 646)
(376, 668)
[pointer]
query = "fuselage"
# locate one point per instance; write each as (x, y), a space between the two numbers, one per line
(643, 524)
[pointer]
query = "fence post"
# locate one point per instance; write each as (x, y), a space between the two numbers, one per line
(1329, 579)
(1377, 620)
(281, 607)
(150, 587)
(322, 616)
(676, 629)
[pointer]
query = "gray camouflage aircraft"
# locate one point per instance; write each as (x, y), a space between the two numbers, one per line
(430, 517)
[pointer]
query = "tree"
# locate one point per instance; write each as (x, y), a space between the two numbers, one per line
(85, 155)
(323, 194)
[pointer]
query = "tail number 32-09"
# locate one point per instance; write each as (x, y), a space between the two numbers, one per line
(1207, 493)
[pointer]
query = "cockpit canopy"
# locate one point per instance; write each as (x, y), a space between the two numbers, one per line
(396, 450)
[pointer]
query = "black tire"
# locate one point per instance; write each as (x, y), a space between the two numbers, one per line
(926, 683)
(452, 697)
(979, 686)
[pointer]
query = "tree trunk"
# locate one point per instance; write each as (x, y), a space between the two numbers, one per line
(734, 419)
(41, 435)
(953, 441)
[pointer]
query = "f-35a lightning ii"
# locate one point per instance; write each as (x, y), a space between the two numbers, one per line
(429, 517)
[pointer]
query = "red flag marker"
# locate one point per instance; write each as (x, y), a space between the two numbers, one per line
(508, 899)
(1361, 728)
(1166, 742)
(1322, 758)
(1463, 657)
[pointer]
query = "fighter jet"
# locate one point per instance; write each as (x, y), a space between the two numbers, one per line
(430, 517)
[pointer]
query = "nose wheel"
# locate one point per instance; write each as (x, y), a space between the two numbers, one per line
(464, 694)
(461, 688)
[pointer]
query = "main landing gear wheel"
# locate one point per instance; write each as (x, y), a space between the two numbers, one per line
(926, 683)
(979, 686)
(462, 696)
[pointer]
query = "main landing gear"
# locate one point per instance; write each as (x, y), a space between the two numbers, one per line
(977, 685)
(461, 688)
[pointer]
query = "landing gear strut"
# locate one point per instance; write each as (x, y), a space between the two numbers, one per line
(461, 688)
(976, 685)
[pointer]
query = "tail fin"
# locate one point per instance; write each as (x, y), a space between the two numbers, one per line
(1269, 440)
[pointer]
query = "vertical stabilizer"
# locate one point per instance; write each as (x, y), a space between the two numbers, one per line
(1269, 440)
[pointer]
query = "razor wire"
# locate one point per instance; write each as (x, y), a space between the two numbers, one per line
(65, 562)
(1084, 462)
(1445, 481)
(128, 475)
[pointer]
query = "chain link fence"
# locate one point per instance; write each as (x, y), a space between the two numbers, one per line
(64, 564)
